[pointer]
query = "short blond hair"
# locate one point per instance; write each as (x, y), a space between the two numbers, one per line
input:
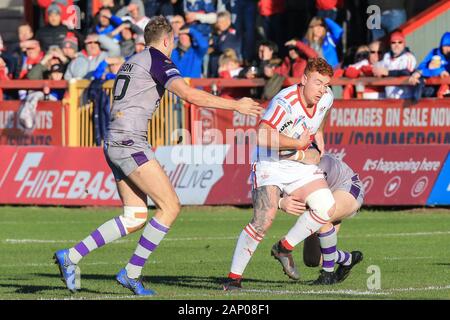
(156, 28)
(228, 55)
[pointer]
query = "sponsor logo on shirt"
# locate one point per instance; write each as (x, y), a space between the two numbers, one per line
(287, 124)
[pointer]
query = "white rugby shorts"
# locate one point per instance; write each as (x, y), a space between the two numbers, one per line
(285, 174)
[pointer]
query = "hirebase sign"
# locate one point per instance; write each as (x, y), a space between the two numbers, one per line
(210, 174)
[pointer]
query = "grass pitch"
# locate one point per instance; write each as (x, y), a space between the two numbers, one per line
(410, 248)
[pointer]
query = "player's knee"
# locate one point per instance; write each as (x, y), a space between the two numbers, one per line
(133, 218)
(171, 208)
(262, 227)
(322, 203)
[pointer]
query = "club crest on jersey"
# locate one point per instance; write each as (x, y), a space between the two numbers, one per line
(172, 71)
(322, 109)
(298, 120)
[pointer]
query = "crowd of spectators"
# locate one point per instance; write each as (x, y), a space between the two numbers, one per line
(221, 38)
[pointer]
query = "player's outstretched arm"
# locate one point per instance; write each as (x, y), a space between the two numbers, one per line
(205, 99)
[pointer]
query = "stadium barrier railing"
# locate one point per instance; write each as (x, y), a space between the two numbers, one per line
(170, 115)
(173, 113)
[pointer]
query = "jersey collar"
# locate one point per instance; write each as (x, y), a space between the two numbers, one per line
(303, 105)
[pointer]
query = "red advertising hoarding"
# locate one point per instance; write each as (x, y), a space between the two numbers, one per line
(392, 175)
(396, 122)
(395, 175)
(57, 176)
(48, 130)
(217, 126)
(350, 122)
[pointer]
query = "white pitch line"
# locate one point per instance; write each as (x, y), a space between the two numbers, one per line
(246, 292)
(319, 292)
(408, 258)
(26, 241)
(411, 234)
(404, 234)
(49, 264)
(430, 288)
(49, 222)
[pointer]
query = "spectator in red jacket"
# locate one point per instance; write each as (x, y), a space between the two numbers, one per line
(229, 65)
(229, 68)
(4, 75)
(295, 63)
(365, 58)
(34, 55)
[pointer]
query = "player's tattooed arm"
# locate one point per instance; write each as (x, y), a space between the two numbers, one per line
(265, 205)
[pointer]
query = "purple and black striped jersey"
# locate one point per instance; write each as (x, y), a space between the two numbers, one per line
(139, 86)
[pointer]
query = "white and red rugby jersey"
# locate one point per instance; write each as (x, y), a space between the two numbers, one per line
(289, 116)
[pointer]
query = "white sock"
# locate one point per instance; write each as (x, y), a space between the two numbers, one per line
(246, 245)
(328, 242)
(305, 226)
(108, 232)
(153, 234)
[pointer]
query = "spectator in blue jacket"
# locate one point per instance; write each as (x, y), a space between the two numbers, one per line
(225, 37)
(190, 51)
(435, 64)
(323, 36)
(107, 23)
(108, 68)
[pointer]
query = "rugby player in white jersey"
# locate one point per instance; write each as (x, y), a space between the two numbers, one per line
(294, 118)
(348, 193)
(138, 89)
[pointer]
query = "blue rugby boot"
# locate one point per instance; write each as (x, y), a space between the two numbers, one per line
(134, 285)
(67, 268)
